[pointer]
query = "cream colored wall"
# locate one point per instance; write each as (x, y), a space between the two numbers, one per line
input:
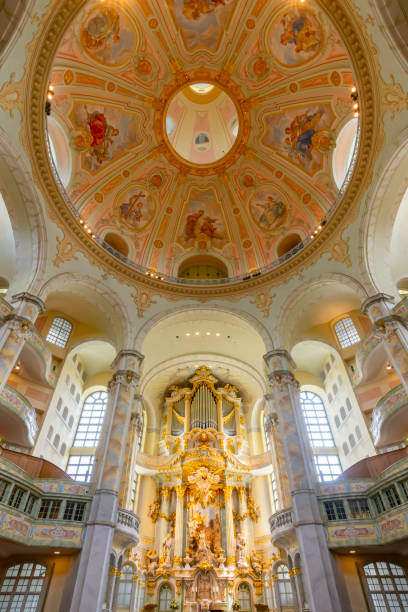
(337, 377)
(44, 447)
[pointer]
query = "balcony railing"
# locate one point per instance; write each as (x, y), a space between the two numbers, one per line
(40, 347)
(382, 430)
(281, 525)
(127, 528)
(20, 425)
(41, 512)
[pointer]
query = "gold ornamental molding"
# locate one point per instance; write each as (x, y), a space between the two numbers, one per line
(37, 73)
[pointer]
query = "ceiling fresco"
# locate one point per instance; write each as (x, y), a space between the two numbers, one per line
(285, 79)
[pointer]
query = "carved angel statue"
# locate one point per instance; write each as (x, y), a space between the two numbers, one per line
(166, 550)
(241, 551)
(253, 509)
(152, 561)
(256, 563)
(154, 509)
(203, 480)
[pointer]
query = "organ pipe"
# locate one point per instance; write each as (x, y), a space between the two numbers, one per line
(203, 409)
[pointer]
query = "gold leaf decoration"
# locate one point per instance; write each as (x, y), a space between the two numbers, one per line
(143, 301)
(11, 95)
(394, 98)
(339, 251)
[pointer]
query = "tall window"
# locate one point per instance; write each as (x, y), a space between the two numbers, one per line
(164, 598)
(125, 586)
(91, 419)
(244, 597)
(285, 588)
(346, 332)
(387, 586)
(60, 332)
(317, 424)
(328, 467)
(80, 467)
(22, 587)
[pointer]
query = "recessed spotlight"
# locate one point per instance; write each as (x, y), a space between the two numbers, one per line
(352, 552)
(353, 89)
(218, 334)
(57, 552)
(188, 334)
(208, 333)
(197, 333)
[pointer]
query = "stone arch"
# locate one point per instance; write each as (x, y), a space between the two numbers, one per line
(26, 218)
(113, 316)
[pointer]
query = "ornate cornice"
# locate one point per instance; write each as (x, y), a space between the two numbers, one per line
(32, 299)
(37, 75)
(280, 379)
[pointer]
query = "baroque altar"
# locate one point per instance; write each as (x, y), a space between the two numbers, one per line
(204, 512)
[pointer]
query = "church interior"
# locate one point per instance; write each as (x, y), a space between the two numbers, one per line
(203, 305)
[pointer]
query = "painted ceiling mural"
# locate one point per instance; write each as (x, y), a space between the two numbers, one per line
(294, 78)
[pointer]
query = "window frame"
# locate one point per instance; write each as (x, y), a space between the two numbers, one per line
(90, 423)
(45, 583)
(368, 592)
(61, 335)
(346, 334)
(316, 421)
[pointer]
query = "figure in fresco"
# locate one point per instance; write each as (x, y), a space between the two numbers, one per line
(200, 224)
(132, 211)
(302, 135)
(103, 30)
(194, 9)
(102, 136)
(298, 30)
(272, 212)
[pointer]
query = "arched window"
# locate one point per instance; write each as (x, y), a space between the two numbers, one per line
(244, 597)
(50, 432)
(317, 424)
(285, 588)
(70, 421)
(345, 448)
(77, 398)
(342, 413)
(352, 440)
(59, 404)
(65, 413)
(358, 432)
(63, 449)
(164, 598)
(59, 332)
(346, 332)
(56, 440)
(91, 419)
(348, 404)
(337, 421)
(387, 586)
(125, 586)
(22, 587)
(72, 389)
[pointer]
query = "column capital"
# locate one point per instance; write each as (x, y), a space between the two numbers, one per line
(279, 359)
(387, 326)
(279, 379)
(30, 298)
(380, 301)
(123, 377)
(21, 325)
(128, 359)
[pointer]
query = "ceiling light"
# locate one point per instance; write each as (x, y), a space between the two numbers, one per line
(218, 334)
(388, 367)
(353, 89)
(356, 114)
(57, 552)
(188, 334)
(197, 333)
(208, 333)
(352, 552)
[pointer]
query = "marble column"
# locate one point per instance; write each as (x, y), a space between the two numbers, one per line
(94, 559)
(243, 511)
(15, 329)
(132, 446)
(229, 526)
(321, 587)
(163, 525)
(110, 590)
(278, 455)
(178, 529)
(392, 330)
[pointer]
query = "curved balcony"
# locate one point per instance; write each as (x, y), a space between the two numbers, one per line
(127, 528)
(18, 420)
(369, 358)
(282, 528)
(389, 418)
(48, 513)
(36, 359)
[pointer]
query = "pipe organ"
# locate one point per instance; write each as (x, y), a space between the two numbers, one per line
(202, 406)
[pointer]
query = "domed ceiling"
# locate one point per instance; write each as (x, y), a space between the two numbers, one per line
(201, 129)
